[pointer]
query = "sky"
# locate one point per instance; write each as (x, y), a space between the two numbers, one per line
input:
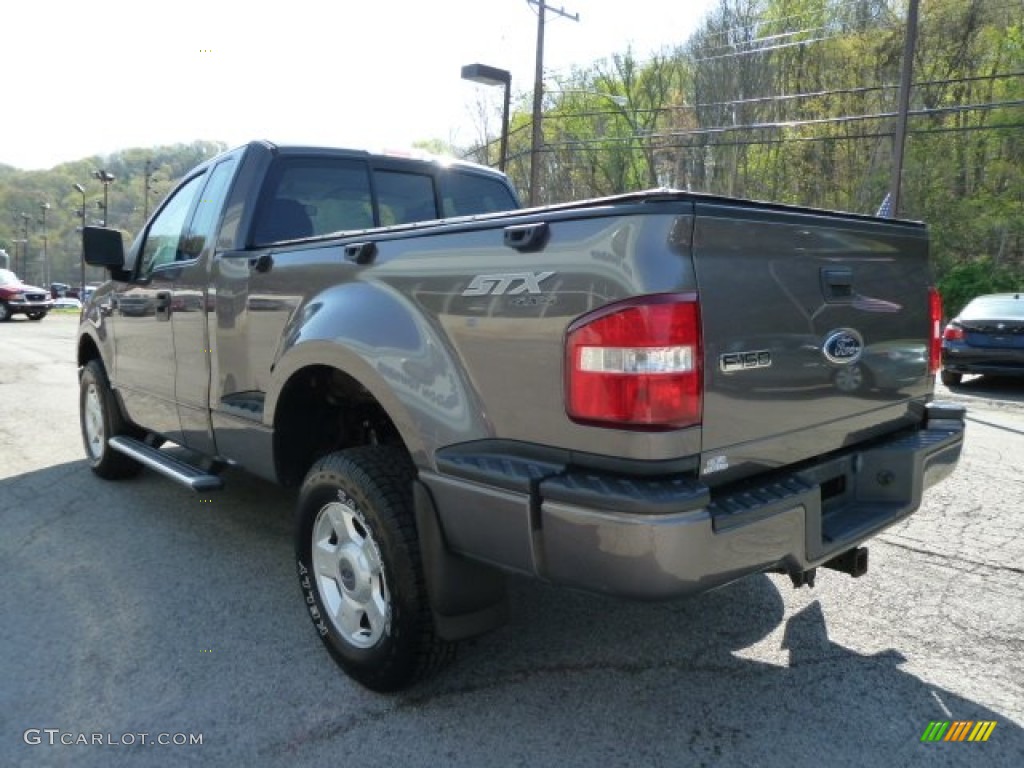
(94, 77)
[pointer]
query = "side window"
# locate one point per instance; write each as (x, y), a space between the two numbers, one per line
(404, 197)
(204, 221)
(466, 194)
(314, 196)
(164, 237)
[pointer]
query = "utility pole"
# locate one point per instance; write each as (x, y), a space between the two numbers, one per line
(899, 138)
(537, 136)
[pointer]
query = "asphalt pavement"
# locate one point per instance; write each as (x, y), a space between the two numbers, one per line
(143, 626)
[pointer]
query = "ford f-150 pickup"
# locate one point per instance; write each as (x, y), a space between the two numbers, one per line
(648, 395)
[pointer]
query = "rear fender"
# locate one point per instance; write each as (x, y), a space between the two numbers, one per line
(380, 339)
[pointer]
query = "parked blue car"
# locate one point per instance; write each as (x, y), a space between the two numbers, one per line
(987, 337)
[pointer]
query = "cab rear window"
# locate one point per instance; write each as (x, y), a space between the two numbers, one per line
(467, 194)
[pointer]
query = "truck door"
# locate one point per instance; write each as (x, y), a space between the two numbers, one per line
(145, 367)
(190, 308)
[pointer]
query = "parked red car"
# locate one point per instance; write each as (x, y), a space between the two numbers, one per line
(18, 298)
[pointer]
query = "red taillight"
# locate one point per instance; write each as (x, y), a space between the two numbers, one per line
(953, 333)
(637, 364)
(935, 348)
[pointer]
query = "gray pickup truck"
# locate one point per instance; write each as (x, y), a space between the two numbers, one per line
(647, 396)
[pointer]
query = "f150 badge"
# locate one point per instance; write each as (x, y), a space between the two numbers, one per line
(741, 361)
(843, 346)
(511, 283)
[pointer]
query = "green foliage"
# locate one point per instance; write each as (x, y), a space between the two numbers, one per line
(792, 100)
(964, 281)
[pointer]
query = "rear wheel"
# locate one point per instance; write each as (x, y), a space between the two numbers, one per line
(360, 570)
(100, 419)
(951, 378)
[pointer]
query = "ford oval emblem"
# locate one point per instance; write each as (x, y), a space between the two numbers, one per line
(843, 346)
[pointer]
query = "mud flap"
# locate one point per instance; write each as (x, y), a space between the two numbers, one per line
(466, 598)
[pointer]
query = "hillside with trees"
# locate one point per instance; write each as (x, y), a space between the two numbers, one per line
(46, 209)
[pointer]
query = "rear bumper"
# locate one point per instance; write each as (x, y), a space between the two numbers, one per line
(661, 537)
(961, 358)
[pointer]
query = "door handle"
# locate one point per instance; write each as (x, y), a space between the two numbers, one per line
(526, 237)
(163, 305)
(361, 253)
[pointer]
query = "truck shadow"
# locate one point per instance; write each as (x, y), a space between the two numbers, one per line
(127, 604)
(690, 678)
(992, 387)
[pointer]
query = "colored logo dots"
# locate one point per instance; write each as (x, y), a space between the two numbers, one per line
(960, 730)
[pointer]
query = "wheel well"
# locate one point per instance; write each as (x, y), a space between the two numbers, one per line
(322, 410)
(87, 350)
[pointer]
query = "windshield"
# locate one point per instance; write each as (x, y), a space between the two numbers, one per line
(1008, 307)
(8, 278)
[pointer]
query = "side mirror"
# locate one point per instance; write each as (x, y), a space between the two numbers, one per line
(103, 247)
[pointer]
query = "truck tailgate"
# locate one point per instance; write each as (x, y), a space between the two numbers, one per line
(816, 332)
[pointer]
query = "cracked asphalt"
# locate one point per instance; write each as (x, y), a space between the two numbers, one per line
(133, 608)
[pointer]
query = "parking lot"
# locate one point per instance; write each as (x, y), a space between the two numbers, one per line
(138, 608)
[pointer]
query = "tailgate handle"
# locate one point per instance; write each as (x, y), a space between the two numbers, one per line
(837, 283)
(361, 253)
(527, 237)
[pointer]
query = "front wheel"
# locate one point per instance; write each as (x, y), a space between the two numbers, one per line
(950, 378)
(100, 419)
(36, 315)
(5, 312)
(360, 570)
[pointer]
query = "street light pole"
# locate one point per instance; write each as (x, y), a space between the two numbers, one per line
(104, 178)
(24, 249)
(22, 245)
(481, 73)
(81, 291)
(44, 207)
(146, 189)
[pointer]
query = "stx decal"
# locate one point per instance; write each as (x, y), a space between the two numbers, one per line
(499, 285)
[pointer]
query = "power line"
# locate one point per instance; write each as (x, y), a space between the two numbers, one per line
(720, 130)
(786, 123)
(584, 146)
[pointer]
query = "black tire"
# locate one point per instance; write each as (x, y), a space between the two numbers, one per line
(369, 574)
(950, 378)
(36, 315)
(5, 312)
(100, 418)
